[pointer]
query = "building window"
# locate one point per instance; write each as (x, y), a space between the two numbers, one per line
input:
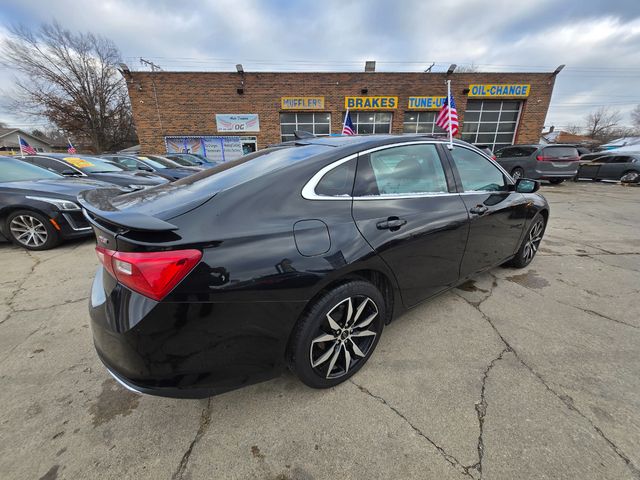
(421, 122)
(491, 122)
(371, 122)
(317, 123)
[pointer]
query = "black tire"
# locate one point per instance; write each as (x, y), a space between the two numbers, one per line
(517, 173)
(527, 251)
(630, 172)
(351, 346)
(556, 181)
(44, 235)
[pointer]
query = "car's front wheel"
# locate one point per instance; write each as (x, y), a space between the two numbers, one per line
(530, 244)
(31, 230)
(337, 334)
(517, 173)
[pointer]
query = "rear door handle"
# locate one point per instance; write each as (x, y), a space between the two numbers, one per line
(391, 223)
(479, 209)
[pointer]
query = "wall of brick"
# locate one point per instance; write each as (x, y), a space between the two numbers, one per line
(185, 103)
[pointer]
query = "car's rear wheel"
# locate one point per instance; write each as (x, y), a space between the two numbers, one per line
(31, 230)
(556, 181)
(337, 334)
(517, 173)
(530, 244)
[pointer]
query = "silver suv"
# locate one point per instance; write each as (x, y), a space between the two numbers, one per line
(555, 163)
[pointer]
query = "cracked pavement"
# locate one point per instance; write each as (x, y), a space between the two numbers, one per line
(527, 373)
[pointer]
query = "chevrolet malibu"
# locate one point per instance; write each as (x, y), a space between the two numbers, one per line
(297, 255)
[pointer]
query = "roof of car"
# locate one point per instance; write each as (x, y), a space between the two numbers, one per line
(364, 140)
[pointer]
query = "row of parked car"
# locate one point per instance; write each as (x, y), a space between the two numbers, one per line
(557, 163)
(38, 206)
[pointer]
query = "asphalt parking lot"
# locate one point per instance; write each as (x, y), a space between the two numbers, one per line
(519, 374)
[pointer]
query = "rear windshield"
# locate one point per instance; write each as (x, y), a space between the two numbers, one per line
(92, 164)
(250, 166)
(515, 152)
(158, 162)
(560, 152)
(12, 170)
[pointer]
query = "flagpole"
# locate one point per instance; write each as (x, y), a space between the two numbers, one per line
(344, 122)
(450, 123)
(20, 145)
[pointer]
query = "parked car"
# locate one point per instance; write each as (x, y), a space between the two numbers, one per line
(38, 208)
(555, 163)
(94, 168)
(287, 256)
(160, 166)
(191, 159)
(587, 157)
(486, 149)
(611, 167)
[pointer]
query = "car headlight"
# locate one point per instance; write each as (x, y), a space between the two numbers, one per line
(61, 204)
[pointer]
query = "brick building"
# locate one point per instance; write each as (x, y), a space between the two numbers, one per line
(223, 114)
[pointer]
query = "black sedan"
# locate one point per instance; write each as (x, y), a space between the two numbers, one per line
(153, 163)
(94, 168)
(295, 255)
(611, 167)
(38, 208)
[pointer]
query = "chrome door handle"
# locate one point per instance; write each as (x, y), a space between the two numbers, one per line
(479, 209)
(391, 223)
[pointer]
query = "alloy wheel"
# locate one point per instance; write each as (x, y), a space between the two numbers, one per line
(345, 337)
(517, 173)
(533, 241)
(28, 231)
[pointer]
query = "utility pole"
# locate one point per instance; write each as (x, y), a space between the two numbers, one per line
(154, 67)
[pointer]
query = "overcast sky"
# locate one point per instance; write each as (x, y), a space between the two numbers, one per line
(599, 41)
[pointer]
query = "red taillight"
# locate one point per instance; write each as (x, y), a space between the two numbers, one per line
(153, 274)
(494, 157)
(540, 158)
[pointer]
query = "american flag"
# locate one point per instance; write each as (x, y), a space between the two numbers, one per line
(442, 120)
(348, 128)
(25, 147)
(70, 148)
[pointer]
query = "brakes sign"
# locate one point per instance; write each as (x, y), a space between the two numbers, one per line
(78, 162)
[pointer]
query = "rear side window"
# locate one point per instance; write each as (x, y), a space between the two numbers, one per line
(405, 170)
(621, 160)
(515, 152)
(12, 170)
(339, 181)
(49, 164)
(560, 152)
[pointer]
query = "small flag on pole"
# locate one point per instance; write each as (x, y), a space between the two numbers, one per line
(25, 147)
(348, 128)
(447, 118)
(70, 148)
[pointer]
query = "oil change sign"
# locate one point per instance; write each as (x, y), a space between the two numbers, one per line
(510, 90)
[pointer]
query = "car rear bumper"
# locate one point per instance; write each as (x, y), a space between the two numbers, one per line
(551, 170)
(187, 350)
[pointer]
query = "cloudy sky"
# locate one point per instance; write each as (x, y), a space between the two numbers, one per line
(599, 41)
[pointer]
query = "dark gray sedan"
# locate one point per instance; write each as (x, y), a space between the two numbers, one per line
(610, 167)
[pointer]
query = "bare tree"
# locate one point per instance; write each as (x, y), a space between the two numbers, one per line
(573, 129)
(601, 123)
(72, 80)
(635, 116)
(468, 68)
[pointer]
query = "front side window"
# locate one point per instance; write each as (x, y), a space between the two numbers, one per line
(421, 122)
(371, 122)
(477, 173)
(50, 164)
(318, 124)
(405, 170)
(515, 152)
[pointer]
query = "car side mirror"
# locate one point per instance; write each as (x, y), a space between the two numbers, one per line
(526, 185)
(145, 168)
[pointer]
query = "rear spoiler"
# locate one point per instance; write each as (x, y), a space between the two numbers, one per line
(121, 218)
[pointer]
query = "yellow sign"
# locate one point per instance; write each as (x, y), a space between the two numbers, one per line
(302, 103)
(425, 103)
(78, 162)
(370, 103)
(512, 90)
